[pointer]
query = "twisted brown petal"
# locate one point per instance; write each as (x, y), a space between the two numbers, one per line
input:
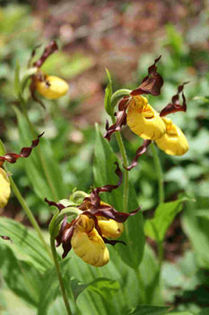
(120, 121)
(94, 196)
(141, 150)
(59, 206)
(24, 153)
(152, 83)
(175, 105)
(111, 213)
(50, 49)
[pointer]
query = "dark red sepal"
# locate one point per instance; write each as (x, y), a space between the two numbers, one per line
(56, 204)
(49, 49)
(24, 153)
(141, 150)
(175, 105)
(152, 83)
(94, 196)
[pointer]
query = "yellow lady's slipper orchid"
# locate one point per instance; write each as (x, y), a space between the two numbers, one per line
(88, 244)
(51, 87)
(143, 120)
(4, 188)
(173, 142)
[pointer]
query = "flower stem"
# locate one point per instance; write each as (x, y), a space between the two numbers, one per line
(29, 214)
(125, 163)
(57, 266)
(159, 171)
(161, 197)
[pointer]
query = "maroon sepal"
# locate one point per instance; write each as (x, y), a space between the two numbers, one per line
(111, 213)
(49, 49)
(120, 121)
(141, 150)
(152, 83)
(94, 196)
(175, 105)
(24, 153)
(53, 203)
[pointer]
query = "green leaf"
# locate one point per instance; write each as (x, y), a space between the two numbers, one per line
(163, 217)
(25, 242)
(104, 173)
(41, 168)
(2, 149)
(20, 276)
(196, 229)
(108, 95)
(104, 287)
(151, 310)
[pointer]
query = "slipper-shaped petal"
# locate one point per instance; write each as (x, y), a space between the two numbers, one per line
(90, 247)
(173, 142)
(51, 87)
(143, 120)
(4, 188)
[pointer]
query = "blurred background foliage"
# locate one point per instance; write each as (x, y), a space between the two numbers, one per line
(125, 37)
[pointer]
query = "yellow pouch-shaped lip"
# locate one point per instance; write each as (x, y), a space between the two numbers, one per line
(110, 228)
(90, 247)
(4, 188)
(143, 120)
(52, 87)
(173, 142)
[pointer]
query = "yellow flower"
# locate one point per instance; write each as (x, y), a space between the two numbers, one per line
(51, 87)
(143, 120)
(173, 142)
(110, 228)
(88, 244)
(4, 188)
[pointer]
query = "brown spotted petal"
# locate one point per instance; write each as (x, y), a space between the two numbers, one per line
(141, 150)
(120, 121)
(24, 153)
(49, 49)
(94, 196)
(152, 83)
(175, 105)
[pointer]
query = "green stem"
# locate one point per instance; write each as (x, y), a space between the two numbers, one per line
(159, 171)
(28, 213)
(57, 266)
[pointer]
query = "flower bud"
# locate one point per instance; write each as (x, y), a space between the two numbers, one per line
(143, 120)
(110, 228)
(51, 87)
(173, 142)
(4, 188)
